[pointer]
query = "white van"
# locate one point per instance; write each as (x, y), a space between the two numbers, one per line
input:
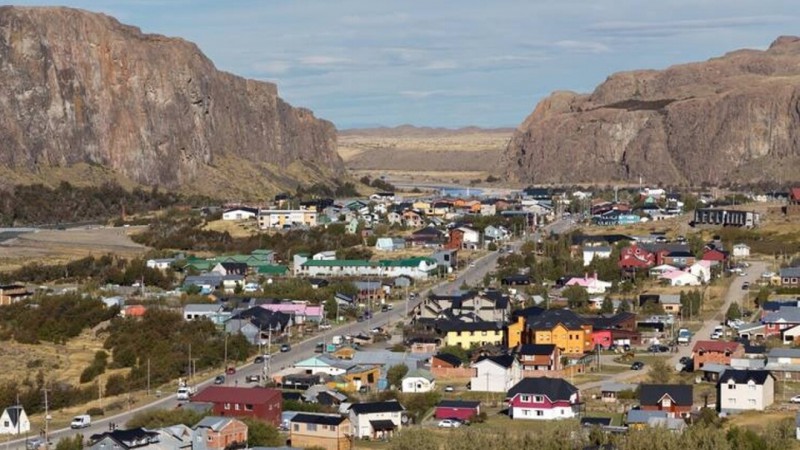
(82, 421)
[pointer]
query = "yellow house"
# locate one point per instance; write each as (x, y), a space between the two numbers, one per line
(473, 334)
(564, 329)
(355, 378)
(328, 431)
(514, 333)
(420, 205)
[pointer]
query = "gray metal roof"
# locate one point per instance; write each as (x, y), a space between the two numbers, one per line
(790, 314)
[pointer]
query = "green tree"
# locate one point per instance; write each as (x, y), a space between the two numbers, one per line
(395, 375)
(624, 306)
(158, 418)
(71, 443)
(607, 307)
(660, 372)
(260, 434)
(576, 296)
(734, 312)
(456, 351)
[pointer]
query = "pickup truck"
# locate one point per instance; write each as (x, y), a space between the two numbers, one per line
(185, 392)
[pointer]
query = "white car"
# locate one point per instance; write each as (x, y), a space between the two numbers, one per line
(449, 423)
(795, 399)
(449, 388)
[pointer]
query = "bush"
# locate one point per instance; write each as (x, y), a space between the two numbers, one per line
(95, 411)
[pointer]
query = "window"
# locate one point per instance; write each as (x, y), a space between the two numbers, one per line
(526, 412)
(751, 402)
(538, 398)
(296, 427)
(236, 406)
(731, 386)
(311, 427)
(731, 401)
(249, 407)
(525, 398)
(539, 413)
(227, 406)
(752, 387)
(484, 333)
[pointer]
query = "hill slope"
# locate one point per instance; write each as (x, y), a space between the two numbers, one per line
(734, 118)
(84, 89)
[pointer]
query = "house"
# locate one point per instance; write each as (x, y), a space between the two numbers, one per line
(242, 213)
(220, 433)
(323, 364)
(469, 334)
(639, 419)
(230, 268)
(389, 244)
(725, 217)
(674, 399)
(702, 270)
(418, 381)
(719, 352)
(495, 373)
(778, 322)
(741, 251)
(300, 311)
(592, 284)
(745, 390)
(428, 237)
(139, 438)
(328, 431)
(212, 311)
(543, 399)
(415, 268)
(544, 357)
(679, 258)
(376, 420)
(680, 278)
(263, 404)
(441, 362)
(784, 363)
(568, 331)
(14, 421)
(447, 258)
(160, 263)
(286, 218)
(714, 255)
(790, 276)
(471, 238)
(592, 252)
(457, 409)
(636, 257)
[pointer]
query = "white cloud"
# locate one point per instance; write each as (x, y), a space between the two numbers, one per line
(582, 46)
(675, 27)
(272, 67)
(321, 60)
(441, 65)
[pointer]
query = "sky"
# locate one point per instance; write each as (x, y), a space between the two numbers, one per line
(365, 63)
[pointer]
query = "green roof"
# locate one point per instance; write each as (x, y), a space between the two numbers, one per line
(407, 262)
(272, 269)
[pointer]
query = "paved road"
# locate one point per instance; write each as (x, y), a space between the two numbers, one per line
(305, 349)
(734, 294)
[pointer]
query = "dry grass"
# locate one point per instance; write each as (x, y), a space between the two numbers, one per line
(65, 245)
(236, 229)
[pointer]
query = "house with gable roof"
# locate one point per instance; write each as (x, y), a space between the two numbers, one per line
(376, 420)
(745, 390)
(568, 331)
(495, 373)
(328, 431)
(675, 399)
(543, 399)
(14, 420)
(716, 352)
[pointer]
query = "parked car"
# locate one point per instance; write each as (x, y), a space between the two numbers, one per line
(37, 443)
(325, 326)
(745, 286)
(220, 379)
(253, 378)
(795, 399)
(658, 348)
(449, 423)
(320, 347)
(285, 348)
(260, 359)
(230, 370)
(449, 388)
(637, 365)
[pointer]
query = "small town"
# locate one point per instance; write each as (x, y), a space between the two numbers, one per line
(606, 312)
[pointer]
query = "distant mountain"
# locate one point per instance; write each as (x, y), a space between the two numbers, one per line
(735, 118)
(83, 91)
(415, 131)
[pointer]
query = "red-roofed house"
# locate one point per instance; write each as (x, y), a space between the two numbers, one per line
(636, 257)
(718, 352)
(713, 254)
(260, 403)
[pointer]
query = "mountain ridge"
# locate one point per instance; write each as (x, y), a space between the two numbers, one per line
(88, 89)
(731, 118)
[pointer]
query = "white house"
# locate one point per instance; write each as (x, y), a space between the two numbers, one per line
(595, 251)
(240, 214)
(194, 311)
(657, 271)
(471, 237)
(591, 283)
(389, 244)
(745, 390)
(14, 421)
(702, 270)
(416, 268)
(323, 364)
(417, 381)
(495, 374)
(286, 218)
(160, 264)
(376, 420)
(741, 251)
(680, 278)
(327, 255)
(543, 399)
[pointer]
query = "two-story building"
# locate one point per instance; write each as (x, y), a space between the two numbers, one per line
(745, 390)
(263, 404)
(539, 357)
(495, 373)
(471, 334)
(563, 328)
(543, 399)
(220, 433)
(716, 352)
(376, 420)
(674, 399)
(328, 431)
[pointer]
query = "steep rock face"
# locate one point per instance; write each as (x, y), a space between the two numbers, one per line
(80, 87)
(733, 118)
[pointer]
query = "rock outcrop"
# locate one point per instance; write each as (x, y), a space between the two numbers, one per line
(82, 88)
(735, 118)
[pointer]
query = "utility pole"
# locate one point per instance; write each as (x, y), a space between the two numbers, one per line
(226, 352)
(148, 377)
(46, 418)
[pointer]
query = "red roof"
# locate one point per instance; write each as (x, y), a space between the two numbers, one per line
(224, 394)
(795, 194)
(715, 346)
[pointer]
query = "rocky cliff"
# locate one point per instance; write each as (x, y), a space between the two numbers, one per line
(81, 88)
(735, 118)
